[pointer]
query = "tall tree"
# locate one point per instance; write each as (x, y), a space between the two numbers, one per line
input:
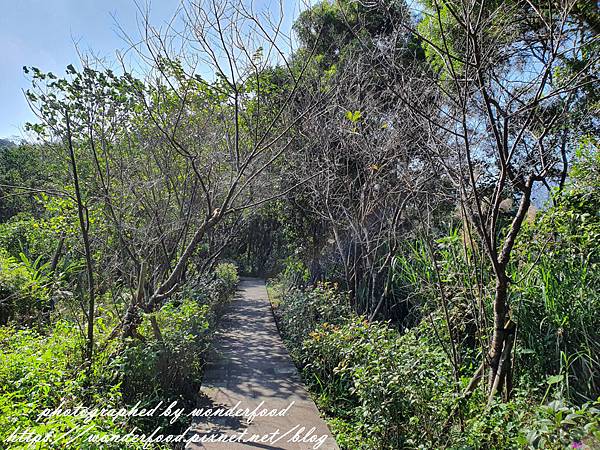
(503, 122)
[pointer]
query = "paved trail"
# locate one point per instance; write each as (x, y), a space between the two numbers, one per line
(251, 365)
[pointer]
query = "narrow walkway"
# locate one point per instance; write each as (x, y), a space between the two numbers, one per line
(251, 369)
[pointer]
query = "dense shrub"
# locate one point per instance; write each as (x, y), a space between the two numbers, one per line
(383, 389)
(359, 370)
(167, 361)
(24, 292)
(20, 165)
(24, 234)
(558, 426)
(302, 311)
(176, 354)
(295, 272)
(226, 275)
(42, 371)
(396, 388)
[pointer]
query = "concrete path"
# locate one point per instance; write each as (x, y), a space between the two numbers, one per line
(254, 396)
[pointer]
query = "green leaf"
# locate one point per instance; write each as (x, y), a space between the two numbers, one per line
(353, 116)
(554, 379)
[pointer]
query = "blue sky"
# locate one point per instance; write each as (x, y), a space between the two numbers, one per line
(43, 33)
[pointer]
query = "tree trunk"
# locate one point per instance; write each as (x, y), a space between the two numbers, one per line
(498, 336)
(84, 226)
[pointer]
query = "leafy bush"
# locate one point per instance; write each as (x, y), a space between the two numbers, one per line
(24, 234)
(301, 312)
(395, 389)
(387, 390)
(294, 273)
(227, 275)
(23, 289)
(168, 361)
(558, 426)
(40, 372)
(175, 353)
(20, 165)
(499, 426)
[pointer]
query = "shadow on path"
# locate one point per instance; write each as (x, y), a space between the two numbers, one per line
(250, 369)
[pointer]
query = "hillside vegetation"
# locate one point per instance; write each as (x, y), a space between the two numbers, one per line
(419, 182)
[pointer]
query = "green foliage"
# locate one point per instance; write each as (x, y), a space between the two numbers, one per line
(499, 426)
(439, 18)
(387, 390)
(295, 272)
(301, 312)
(22, 170)
(38, 236)
(79, 90)
(396, 390)
(39, 372)
(585, 173)
(557, 298)
(167, 361)
(558, 426)
(353, 116)
(382, 388)
(331, 26)
(163, 365)
(22, 233)
(23, 288)
(142, 147)
(227, 275)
